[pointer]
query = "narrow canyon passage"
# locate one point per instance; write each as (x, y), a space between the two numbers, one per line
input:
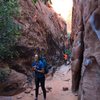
(52, 29)
(58, 87)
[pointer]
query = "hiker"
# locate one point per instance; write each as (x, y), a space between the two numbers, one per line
(38, 67)
(65, 58)
(69, 56)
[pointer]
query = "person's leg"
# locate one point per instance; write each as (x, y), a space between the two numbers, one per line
(42, 81)
(37, 88)
(65, 62)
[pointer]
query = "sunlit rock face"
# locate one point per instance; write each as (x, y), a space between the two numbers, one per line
(65, 10)
(86, 15)
(42, 29)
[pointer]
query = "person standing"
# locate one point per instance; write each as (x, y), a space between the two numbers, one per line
(65, 58)
(38, 67)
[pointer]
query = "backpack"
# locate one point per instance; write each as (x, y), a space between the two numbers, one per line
(45, 65)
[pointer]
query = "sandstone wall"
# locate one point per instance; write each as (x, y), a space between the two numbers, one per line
(42, 28)
(86, 15)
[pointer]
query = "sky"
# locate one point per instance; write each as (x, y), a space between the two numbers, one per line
(64, 7)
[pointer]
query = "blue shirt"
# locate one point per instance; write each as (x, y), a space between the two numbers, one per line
(39, 66)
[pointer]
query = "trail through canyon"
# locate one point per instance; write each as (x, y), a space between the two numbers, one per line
(58, 87)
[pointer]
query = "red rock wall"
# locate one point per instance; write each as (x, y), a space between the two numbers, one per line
(86, 15)
(43, 21)
(42, 28)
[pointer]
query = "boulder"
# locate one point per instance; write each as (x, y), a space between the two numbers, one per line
(11, 82)
(65, 89)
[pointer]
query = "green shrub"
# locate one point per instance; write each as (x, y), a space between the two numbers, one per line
(34, 1)
(9, 30)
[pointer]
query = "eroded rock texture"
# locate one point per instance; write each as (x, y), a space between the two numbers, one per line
(86, 15)
(42, 28)
(11, 82)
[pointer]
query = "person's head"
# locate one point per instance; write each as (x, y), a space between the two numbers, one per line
(36, 57)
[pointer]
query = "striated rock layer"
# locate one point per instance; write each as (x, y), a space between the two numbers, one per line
(86, 62)
(11, 81)
(42, 29)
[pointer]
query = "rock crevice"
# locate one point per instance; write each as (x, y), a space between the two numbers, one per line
(86, 20)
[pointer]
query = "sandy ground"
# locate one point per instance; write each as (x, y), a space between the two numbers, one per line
(54, 87)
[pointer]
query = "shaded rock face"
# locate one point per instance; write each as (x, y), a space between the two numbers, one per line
(42, 28)
(77, 56)
(86, 16)
(11, 82)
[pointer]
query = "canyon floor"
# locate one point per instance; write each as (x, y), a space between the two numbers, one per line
(58, 87)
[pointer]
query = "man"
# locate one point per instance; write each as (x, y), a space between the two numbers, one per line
(38, 67)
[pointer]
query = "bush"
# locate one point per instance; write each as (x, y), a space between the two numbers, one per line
(34, 1)
(9, 30)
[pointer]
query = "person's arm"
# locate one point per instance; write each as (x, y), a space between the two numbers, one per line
(41, 66)
(40, 71)
(33, 66)
(33, 69)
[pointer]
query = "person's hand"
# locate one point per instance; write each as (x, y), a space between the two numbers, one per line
(33, 68)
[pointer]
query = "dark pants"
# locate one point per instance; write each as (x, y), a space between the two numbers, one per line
(42, 83)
